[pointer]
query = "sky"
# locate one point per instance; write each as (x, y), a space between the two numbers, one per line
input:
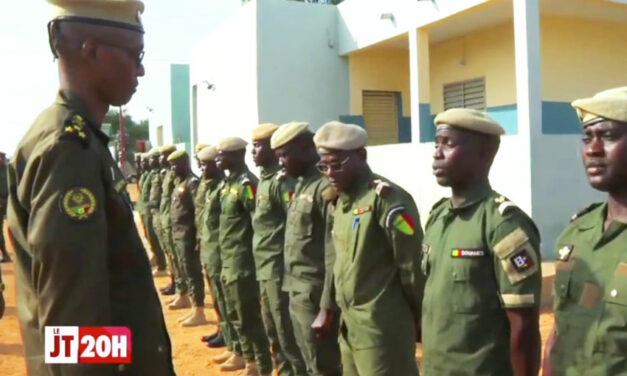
(28, 75)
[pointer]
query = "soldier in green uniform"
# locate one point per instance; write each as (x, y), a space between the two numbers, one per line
(377, 236)
(153, 206)
(238, 267)
(184, 234)
(308, 251)
(144, 192)
(80, 260)
(590, 289)
(274, 194)
(481, 257)
(138, 167)
(209, 228)
(4, 194)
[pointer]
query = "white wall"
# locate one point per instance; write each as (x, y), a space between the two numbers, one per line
(301, 76)
(161, 105)
(228, 60)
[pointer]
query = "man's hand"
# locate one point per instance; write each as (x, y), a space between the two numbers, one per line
(323, 323)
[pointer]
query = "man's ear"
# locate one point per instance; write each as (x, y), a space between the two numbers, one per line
(89, 49)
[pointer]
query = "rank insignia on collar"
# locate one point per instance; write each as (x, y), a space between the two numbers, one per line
(563, 254)
(78, 203)
(74, 128)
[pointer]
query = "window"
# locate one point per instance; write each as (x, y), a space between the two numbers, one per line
(381, 111)
(465, 94)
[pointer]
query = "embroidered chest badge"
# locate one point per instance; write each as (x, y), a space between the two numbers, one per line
(360, 211)
(468, 253)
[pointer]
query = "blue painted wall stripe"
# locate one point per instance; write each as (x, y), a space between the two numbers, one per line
(559, 118)
(507, 116)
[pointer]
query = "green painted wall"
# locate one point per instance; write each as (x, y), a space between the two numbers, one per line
(180, 96)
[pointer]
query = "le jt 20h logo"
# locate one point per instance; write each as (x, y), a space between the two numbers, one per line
(88, 344)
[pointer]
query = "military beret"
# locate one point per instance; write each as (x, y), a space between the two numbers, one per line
(335, 135)
(287, 132)
(199, 147)
(207, 154)
(264, 131)
(231, 144)
(168, 149)
(469, 119)
(609, 104)
(154, 151)
(124, 14)
(176, 155)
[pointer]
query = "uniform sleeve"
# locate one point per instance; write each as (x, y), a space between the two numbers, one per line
(328, 199)
(399, 219)
(515, 245)
(248, 195)
(67, 235)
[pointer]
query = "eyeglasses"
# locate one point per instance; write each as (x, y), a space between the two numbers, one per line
(325, 168)
(138, 56)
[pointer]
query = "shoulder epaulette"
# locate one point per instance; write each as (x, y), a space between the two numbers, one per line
(504, 204)
(585, 211)
(75, 129)
(438, 203)
(381, 187)
(329, 194)
(280, 175)
(245, 180)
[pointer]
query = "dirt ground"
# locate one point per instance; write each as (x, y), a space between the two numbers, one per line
(191, 356)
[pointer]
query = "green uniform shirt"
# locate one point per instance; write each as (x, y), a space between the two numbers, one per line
(167, 186)
(154, 198)
(182, 210)
(210, 233)
(199, 203)
(274, 194)
(236, 231)
(142, 181)
(4, 191)
(590, 293)
(80, 260)
(378, 283)
(481, 258)
(309, 258)
(144, 195)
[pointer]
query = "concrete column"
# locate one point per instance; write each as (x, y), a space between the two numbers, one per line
(419, 82)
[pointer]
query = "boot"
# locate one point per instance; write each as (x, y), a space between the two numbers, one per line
(217, 342)
(168, 290)
(234, 363)
(210, 337)
(196, 318)
(219, 359)
(180, 302)
(250, 370)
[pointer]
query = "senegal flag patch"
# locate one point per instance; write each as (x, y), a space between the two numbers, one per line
(399, 219)
(250, 191)
(287, 196)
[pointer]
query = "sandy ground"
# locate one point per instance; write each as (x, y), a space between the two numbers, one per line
(191, 356)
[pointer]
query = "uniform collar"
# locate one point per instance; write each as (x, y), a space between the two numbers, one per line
(310, 172)
(593, 224)
(234, 177)
(267, 173)
(72, 101)
(363, 183)
(478, 195)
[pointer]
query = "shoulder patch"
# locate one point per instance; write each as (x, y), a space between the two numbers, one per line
(400, 220)
(517, 257)
(329, 194)
(75, 129)
(280, 175)
(78, 203)
(245, 180)
(381, 187)
(585, 211)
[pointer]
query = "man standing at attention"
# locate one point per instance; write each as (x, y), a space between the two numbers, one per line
(80, 260)
(481, 257)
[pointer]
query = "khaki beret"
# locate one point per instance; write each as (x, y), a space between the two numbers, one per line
(231, 144)
(264, 131)
(176, 155)
(609, 104)
(287, 132)
(124, 14)
(168, 149)
(336, 135)
(207, 154)
(199, 147)
(154, 151)
(470, 119)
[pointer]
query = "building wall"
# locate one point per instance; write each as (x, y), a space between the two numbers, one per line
(300, 74)
(161, 106)
(180, 102)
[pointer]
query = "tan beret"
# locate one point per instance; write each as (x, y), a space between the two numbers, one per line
(609, 104)
(287, 132)
(469, 119)
(124, 14)
(154, 151)
(199, 147)
(207, 154)
(176, 155)
(264, 131)
(335, 135)
(168, 149)
(231, 144)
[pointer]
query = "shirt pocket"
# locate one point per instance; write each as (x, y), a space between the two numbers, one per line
(474, 286)
(562, 287)
(302, 217)
(613, 339)
(230, 205)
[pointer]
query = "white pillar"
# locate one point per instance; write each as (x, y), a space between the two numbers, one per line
(419, 81)
(528, 85)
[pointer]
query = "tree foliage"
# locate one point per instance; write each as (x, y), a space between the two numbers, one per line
(134, 131)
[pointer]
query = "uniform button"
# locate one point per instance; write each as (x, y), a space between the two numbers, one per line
(614, 293)
(160, 349)
(121, 367)
(562, 287)
(454, 275)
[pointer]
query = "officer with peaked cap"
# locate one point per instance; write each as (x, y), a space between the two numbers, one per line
(377, 278)
(481, 257)
(590, 289)
(238, 267)
(80, 260)
(309, 254)
(274, 194)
